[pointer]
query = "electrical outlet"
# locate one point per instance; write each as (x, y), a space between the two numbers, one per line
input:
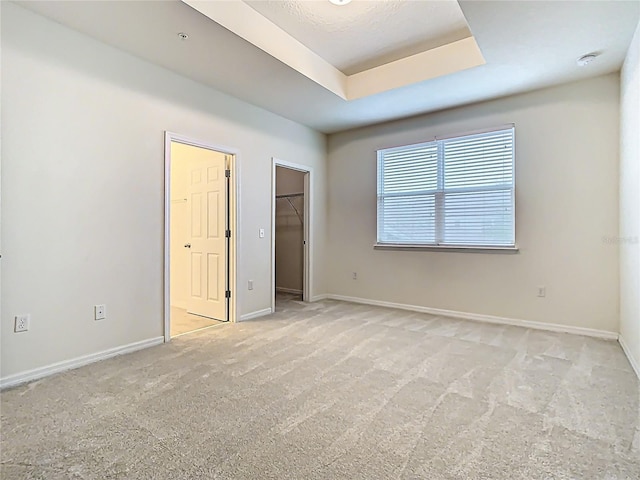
(542, 291)
(22, 323)
(99, 312)
(250, 284)
(354, 275)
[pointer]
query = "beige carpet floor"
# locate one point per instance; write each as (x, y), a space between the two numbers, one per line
(334, 390)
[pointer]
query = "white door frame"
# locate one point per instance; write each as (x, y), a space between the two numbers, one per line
(307, 263)
(234, 221)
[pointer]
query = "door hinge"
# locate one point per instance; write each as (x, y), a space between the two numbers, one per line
(227, 294)
(227, 173)
(227, 233)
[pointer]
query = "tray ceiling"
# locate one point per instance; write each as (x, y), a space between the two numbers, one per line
(364, 34)
(526, 45)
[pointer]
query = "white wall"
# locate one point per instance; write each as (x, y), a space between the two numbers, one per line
(82, 188)
(630, 203)
(567, 140)
(289, 230)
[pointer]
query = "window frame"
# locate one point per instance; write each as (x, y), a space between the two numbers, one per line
(440, 192)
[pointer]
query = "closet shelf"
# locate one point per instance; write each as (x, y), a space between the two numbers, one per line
(288, 198)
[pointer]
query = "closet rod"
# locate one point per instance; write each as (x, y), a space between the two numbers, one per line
(289, 195)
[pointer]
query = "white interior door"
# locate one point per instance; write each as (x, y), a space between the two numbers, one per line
(207, 226)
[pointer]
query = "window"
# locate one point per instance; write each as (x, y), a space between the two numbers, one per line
(453, 192)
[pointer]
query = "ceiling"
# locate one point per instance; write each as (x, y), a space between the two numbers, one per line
(449, 57)
(365, 34)
(524, 45)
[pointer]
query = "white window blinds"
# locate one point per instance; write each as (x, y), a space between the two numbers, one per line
(452, 192)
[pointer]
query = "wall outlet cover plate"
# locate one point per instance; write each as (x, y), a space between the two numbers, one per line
(21, 323)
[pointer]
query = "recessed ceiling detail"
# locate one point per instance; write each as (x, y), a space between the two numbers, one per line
(366, 34)
(360, 50)
(527, 45)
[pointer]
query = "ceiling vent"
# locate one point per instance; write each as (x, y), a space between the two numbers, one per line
(586, 59)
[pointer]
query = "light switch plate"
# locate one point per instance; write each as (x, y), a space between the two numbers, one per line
(261, 233)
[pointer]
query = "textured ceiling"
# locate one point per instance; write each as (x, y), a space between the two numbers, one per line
(365, 34)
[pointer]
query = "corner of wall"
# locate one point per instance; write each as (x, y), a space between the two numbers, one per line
(629, 206)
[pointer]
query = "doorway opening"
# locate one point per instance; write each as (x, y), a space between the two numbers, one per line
(290, 230)
(200, 225)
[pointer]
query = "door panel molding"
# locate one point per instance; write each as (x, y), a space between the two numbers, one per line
(208, 210)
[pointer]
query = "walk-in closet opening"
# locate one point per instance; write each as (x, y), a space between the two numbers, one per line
(289, 224)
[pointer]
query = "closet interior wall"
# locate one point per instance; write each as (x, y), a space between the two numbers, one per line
(289, 233)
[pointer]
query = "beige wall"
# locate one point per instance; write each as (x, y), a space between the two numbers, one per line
(289, 230)
(630, 202)
(83, 183)
(567, 141)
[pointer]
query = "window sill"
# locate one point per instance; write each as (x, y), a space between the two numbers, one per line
(445, 248)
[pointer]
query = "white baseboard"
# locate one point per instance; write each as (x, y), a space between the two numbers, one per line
(37, 373)
(256, 314)
(552, 327)
(635, 364)
(289, 290)
(318, 298)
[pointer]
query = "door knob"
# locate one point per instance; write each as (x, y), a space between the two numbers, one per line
(187, 245)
